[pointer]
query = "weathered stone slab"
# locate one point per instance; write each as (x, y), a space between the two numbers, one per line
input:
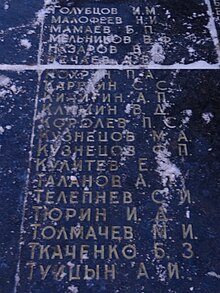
(116, 182)
(109, 146)
(129, 33)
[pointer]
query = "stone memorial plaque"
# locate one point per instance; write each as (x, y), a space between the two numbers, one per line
(109, 146)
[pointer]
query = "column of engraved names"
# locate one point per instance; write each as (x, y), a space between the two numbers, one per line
(78, 188)
(103, 35)
(88, 131)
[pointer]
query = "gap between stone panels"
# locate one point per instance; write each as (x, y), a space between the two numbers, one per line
(200, 65)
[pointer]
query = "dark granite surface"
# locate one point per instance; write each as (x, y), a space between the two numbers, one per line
(173, 98)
